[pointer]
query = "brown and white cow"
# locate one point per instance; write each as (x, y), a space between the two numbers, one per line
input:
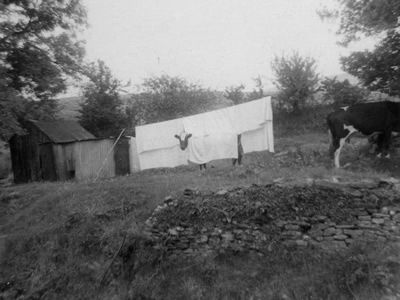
(380, 119)
(184, 143)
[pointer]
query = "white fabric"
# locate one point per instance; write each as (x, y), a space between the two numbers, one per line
(251, 115)
(210, 123)
(158, 135)
(259, 139)
(133, 156)
(214, 135)
(219, 146)
(163, 158)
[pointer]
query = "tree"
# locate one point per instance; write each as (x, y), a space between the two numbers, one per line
(296, 80)
(39, 48)
(102, 111)
(235, 93)
(378, 69)
(165, 98)
(361, 18)
(342, 93)
(258, 92)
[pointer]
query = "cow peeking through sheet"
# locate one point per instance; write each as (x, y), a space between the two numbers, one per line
(379, 119)
(212, 144)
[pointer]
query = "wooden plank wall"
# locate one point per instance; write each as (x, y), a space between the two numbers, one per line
(90, 156)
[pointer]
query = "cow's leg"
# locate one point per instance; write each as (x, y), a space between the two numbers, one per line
(333, 143)
(340, 143)
(337, 153)
(375, 141)
(385, 142)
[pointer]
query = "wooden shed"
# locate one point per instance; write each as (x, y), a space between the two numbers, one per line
(62, 150)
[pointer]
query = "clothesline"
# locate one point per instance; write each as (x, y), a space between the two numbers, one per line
(213, 135)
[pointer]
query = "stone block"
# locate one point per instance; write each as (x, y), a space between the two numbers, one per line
(370, 226)
(173, 231)
(189, 231)
(352, 232)
(301, 243)
(315, 233)
(321, 218)
(329, 231)
(203, 238)
(380, 215)
(360, 212)
(370, 235)
(290, 227)
(396, 218)
(292, 233)
(339, 231)
(366, 224)
(340, 237)
(227, 236)
(188, 251)
(356, 193)
(345, 226)
(378, 221)
(364, 218)
(320, 226)
(389, 223)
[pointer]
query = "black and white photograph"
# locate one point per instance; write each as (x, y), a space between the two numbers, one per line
(200, 149)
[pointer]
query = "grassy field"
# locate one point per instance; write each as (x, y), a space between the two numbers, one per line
(83, 240)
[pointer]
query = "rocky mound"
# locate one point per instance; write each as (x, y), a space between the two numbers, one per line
(256, 216)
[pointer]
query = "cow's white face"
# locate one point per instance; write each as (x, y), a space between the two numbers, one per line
(183, 139)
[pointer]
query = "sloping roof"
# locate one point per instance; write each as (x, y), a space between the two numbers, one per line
(63, 131)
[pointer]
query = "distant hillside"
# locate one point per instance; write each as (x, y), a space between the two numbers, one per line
(343, 76)
(69, 107)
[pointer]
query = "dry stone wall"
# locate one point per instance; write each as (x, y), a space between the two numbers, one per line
(256, 218)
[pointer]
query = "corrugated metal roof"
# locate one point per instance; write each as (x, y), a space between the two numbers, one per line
(64, 131)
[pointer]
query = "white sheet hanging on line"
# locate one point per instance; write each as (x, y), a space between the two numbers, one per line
(213, 136)
(210, 123)
(157, 146)
(251, 115)
(212, 147)
(158, 135)
(163, 158)
(253, 120)
(259, 139)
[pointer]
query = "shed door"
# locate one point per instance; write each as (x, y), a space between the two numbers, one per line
(46, 160)
(121, 157)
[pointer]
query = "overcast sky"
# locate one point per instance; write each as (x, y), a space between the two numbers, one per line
(217, 43)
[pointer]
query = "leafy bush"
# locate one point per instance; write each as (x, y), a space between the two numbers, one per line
(312, 119)
(342, 93)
